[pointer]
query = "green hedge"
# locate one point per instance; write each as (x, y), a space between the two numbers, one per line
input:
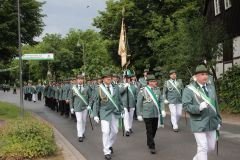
(26, 138)
(230, 90)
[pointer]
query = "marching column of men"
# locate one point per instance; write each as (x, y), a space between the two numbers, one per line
(113, 102)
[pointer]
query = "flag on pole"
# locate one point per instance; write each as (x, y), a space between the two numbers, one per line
(122, 49)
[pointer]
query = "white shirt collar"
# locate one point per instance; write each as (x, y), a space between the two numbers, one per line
(201, 85)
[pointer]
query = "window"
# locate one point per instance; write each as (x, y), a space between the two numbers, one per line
(217, 7)
(227, 4)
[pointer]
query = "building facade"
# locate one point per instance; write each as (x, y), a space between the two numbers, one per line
(226, 13)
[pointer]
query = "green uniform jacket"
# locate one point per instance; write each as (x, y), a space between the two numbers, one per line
(171, 94)
(25, 89)
(205, 120)
(52, 92)
(145, 105)
(137, 85)
(65, 93)
(76, 102)
(56, 92)
(39, 88)
(34, 91)
(103, 107)
(130, 100)
(143, 82)
(45, 92)
(60, 93)
(49, 91)
(93, 89)
(30, 89)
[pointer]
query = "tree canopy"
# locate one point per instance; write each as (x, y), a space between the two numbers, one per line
(31, 25)
(169, 33)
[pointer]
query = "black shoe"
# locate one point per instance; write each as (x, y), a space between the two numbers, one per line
(131, 131)
(175, 130)
(108, 157)
(80, 139)
(152, 151)
(127, 134)
(111, 149)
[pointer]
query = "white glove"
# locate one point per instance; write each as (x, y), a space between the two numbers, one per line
(140, 118)
(126, 85)
(72, 110)
(89, 108)
(219, 127)
(163, 113)
(96, 119)
(122, 115)
(203, 105)
(166, 101)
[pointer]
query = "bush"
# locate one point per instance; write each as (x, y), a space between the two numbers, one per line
(26, 138)
(230, 90)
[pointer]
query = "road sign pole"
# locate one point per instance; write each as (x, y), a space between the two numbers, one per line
(20, 60)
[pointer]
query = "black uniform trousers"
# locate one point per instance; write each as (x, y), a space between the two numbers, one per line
(151, 129)
(39, 96)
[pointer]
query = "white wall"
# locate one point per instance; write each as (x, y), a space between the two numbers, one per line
(236, 49)
(219, 69)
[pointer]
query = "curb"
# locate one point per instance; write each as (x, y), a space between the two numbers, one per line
(68, 150)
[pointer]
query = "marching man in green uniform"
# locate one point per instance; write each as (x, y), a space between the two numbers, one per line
(129, 96)
(80, 94)
(172, 95)
(65, 98)
(108, 108)
(149, 109)
(200, 101)
(115, 79)
(143, 80)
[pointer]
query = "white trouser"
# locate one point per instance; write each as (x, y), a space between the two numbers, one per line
(34, 97)
(128, 118)
(205, 142)
(81, 122)
(109, 133)
(176, 112)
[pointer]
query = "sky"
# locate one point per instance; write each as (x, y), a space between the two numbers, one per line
(62, 15)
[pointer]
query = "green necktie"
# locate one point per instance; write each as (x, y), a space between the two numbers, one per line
(206, 92)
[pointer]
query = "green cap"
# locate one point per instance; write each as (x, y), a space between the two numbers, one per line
(158, 68)
(99, 77)
(115, 75)
(151, 77)
(157, 74)
(146, 70)
(106, 73)
(201, 69)
(127, 73)
(172, 71)
(80, 76)
(71, 78)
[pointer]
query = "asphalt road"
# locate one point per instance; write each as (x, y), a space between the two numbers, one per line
(169, 145)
